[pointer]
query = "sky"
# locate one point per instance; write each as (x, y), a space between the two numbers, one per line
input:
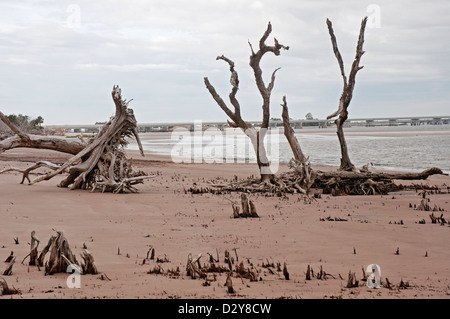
(60, 59)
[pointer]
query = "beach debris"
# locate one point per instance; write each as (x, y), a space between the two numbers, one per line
(5, 290)
(34, 244)
(336, 183)
(229, 284)
(61, 256)
(88, 265)
(309, 274)
(337, 219)
(352, 282)
(321, 274)
(97, 164)
(437, 220)
(10, 260)
(285, 272)
(248, 208)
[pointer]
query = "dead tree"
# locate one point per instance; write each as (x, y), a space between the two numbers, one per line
(347, 92)
(256, 136)
(100, 163)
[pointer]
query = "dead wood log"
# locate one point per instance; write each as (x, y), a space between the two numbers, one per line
(347, 92)
(97, 163)
(352, 282)
(26, 172)
(256, 136)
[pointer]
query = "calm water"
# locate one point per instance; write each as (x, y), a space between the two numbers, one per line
(396, 148)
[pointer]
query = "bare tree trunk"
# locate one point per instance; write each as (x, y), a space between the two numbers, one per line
(347, 92)
(256, 137)
(289, 133)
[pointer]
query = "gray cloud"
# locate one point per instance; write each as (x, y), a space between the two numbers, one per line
(60, 59)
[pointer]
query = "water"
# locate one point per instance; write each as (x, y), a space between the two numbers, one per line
(409, 148)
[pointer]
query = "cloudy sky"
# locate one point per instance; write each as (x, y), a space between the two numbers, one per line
(60, 59)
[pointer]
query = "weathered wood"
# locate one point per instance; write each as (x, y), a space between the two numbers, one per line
(5, 290)
(33, 249)
(289, 134)
(256, 136)
(61, 255)
(352, 282)
(229, 284)
(88, 265)
(347, 92)
(9, 264)
(97, 163)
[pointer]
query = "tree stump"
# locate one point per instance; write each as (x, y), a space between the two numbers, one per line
(59, 252)
(9, 264)
(33, 249)
(5, 290)
(88, 266)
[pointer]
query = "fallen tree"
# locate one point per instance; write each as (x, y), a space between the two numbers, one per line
(99, 163)
(326, 182)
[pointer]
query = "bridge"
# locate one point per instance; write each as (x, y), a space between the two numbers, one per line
(297, 124)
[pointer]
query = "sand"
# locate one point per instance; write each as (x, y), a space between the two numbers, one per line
(176, 223)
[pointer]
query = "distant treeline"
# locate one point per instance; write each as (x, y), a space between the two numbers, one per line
(23, 122)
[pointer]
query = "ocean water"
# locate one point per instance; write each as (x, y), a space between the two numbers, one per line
(409, 148)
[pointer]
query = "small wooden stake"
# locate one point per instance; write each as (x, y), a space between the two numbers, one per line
(229, 284)
(285, 272)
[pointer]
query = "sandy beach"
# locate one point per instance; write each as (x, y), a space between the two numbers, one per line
(335, 234)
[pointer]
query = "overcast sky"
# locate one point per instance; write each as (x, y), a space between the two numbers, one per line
(60, 59)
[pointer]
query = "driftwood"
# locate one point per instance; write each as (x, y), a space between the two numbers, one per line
(88, 265)
(256, 136)
(352, 282)
(9, 264)
(248, 208)
(98, 164)
(330, 182)
(61, 255)
(34, 244)
(229, 284)
(5, 290)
